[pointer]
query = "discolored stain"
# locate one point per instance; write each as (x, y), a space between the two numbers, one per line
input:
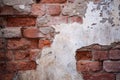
(103, 20)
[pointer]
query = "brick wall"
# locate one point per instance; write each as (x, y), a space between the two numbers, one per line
(99, 62)
(26, 33)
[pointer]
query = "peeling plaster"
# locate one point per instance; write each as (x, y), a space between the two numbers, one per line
(58, 61)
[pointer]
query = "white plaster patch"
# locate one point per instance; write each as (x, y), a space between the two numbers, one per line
(58, 62)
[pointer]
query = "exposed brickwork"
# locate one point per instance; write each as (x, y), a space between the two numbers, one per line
(26, 34)
(83, 66)
(100, 55)
(114, 54)
(83, 55)
(111, 66)
(21, 21)
(99, 76)
(53, 10)
(103, 63)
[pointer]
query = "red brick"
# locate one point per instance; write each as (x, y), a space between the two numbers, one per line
(6, 55)
(44, 43)
(26, 54)
(100, 55)
(53, 1)
(87, 66)
(33, 43)
(76, 19)
(22, 43)
(8, 10)
(21, 65)
(38, 9)
(21, 21)
(99, 76)
(58, 20)
(2, 67)
(114, 54)
(32, 32)
(21, 54)
(53, 10)
(6, 76)
(83, 55)
(34, 54)
(18, 44)
(111, 66)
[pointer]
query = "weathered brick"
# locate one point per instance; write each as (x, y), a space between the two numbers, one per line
(85, 66)
(76, 19)
(53, 10)
(12, 32)
(34, 54)
(6, 55)
(114, 54)
(99, 76)
(33, 43)
(118, 76)
(58, 20)
(18, 44)
(8, 10)
(26, 54)
(21, 65)
(111, 66)
(53, 1)
(100, 55)
(44, 43)
(32, 32)
(22, 43)
(83, 55)
(21, 21)
(6, 76)
(38, 9)
(2, 67)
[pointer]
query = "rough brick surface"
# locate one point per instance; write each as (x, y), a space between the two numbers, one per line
(53, 1)
(8, 10)
(6, 55)
(6, 76)
(21, 21)
(18, 44)
(85, 66)
(111, 66)
(114, 54)
(100, 55)
(83, 55)
(99, 76)
(26, 54)
(38, 9)
(22, 43)
(21, 65)
(32, 33)
(53, 10)
(44, 43)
